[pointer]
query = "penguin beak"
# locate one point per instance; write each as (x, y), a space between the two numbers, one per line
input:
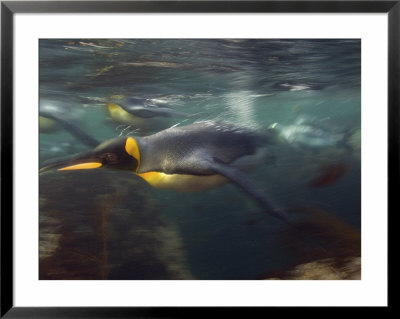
(87, 161)
(89, 165)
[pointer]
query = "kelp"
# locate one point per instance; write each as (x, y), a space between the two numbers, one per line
(107, 229)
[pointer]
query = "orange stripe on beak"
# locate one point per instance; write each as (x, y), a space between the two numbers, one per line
(81, 166)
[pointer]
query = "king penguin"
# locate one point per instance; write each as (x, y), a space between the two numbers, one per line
(143, 114)
(193, 157)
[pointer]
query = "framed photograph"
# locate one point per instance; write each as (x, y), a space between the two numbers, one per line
(173, 158)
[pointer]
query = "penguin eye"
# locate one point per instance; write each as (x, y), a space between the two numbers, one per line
(110, 158)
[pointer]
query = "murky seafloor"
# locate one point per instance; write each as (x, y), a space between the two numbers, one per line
(111, 224)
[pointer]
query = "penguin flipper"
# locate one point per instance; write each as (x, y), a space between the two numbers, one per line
(72, 128)
(247, 185)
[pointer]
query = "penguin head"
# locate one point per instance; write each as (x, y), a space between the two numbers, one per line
(120, 153)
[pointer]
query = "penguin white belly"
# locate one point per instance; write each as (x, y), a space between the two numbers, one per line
(183, 182)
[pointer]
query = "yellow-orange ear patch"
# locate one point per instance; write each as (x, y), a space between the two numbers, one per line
(132, 148)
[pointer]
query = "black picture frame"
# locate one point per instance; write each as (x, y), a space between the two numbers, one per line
(9, 8)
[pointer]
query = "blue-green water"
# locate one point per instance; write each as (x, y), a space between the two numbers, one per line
(127, 229)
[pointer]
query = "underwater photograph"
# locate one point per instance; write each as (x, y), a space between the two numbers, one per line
(199, 159)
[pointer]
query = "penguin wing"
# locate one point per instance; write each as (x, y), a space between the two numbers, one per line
(248, 186)
(71, 127)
